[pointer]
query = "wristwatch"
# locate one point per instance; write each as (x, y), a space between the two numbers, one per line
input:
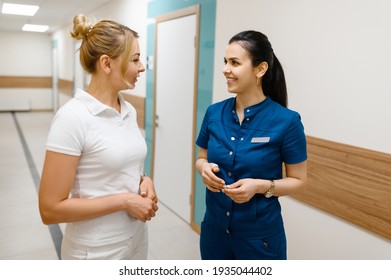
(269, 193)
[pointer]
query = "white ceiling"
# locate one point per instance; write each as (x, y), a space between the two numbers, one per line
(55, 13)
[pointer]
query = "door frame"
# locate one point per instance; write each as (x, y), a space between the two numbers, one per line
(192, 10)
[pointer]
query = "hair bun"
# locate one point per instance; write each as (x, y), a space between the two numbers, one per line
(82, 27)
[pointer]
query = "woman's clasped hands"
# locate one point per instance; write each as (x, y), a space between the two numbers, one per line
(241, 191)
(143, 206)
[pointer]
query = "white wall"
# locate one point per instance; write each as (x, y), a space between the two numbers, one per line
(336, 55)
(25, 54)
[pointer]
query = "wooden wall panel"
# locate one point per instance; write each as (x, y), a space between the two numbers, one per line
(351, 183)
(65, 87)
(25, 82)
(138, 103)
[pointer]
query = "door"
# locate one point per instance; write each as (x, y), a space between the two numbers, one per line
(175, 76)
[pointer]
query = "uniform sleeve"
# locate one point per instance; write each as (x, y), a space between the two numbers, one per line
(294, 147)
(203, 136)
(66, 134)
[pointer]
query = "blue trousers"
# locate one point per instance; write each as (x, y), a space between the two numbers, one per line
(221, 244)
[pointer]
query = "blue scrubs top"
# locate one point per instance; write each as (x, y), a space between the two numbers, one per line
(269, 135)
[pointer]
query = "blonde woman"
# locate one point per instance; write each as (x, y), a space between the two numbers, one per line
(91, 179)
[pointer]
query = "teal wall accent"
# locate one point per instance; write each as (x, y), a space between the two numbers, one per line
(205, 76)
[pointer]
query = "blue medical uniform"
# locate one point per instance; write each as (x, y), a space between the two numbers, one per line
(269, 135)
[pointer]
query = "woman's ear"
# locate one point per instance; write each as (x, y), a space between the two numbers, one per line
(261, 69)
(104, 62)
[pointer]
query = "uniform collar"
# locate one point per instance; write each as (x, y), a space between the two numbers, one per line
(251, 110)
(96, 107)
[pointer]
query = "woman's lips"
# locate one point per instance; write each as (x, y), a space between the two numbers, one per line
(230, 80)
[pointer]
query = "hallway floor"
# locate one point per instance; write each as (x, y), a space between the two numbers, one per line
(23, 236)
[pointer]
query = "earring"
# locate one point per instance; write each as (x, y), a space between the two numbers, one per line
(258, 81)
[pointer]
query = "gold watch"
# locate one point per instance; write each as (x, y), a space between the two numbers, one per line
(269, 193)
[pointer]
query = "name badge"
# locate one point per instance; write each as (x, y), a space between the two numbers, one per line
(260, 139)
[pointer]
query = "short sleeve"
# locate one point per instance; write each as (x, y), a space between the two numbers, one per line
(66, 133)
(294, 147)
(203, 136)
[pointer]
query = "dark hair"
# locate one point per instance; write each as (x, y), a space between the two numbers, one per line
(260, 50)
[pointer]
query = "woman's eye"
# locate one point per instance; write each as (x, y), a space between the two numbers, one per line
(232, 62)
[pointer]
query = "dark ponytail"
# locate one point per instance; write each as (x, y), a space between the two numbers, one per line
(260, 50)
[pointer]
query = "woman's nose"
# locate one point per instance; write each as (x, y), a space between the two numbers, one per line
(141, 68)
(226, 69)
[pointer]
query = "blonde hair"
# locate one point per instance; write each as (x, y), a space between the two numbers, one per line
(105, 37)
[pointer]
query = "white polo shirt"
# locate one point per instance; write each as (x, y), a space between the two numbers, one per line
(112, 151)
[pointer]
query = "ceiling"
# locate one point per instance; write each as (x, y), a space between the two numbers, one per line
(54, 13)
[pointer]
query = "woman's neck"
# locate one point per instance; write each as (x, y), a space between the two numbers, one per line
(104, 94)
(246, 100)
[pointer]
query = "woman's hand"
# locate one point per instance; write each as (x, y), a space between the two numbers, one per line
(211, 181)
(207, 171)
(141, 208)
(147, 189)
(243, 190)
